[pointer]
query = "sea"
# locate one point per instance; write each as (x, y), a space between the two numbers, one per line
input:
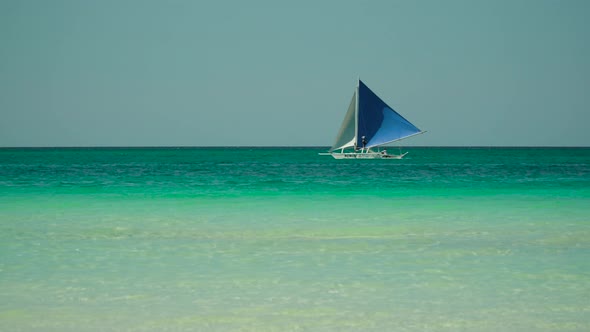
(283, 239)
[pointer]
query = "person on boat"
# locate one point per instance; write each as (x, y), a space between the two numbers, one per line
(364, 141)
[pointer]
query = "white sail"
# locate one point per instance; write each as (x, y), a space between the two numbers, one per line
(346, 134)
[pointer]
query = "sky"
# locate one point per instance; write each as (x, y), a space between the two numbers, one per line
(282, 73)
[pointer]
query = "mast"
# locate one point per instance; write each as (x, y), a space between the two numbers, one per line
(356, 114)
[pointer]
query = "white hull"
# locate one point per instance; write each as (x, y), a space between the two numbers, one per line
(365, 155)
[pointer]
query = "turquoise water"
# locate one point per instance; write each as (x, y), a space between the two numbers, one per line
(263, 239)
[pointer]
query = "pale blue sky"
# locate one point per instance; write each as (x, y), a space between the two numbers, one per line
(191, 73)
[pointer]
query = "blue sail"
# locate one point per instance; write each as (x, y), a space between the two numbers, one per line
(379, 123)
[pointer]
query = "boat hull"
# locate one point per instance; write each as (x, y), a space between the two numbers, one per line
(366, 155)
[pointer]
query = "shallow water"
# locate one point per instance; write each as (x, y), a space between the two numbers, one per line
(263, 239)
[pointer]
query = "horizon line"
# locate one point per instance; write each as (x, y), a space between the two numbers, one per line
(276, 146)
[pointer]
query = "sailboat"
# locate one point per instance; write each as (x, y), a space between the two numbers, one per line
(369, 124)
